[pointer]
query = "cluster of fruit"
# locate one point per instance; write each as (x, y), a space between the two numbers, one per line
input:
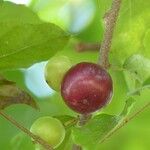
(85, 88)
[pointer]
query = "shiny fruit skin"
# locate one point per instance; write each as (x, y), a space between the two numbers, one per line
(55, 70)
(86, 87)
(49, 129)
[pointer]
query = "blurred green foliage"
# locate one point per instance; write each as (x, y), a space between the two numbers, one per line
(131, 37)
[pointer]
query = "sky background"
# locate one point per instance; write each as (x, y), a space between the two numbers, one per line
(20, 1)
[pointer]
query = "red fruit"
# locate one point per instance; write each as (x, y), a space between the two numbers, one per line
(86, 87)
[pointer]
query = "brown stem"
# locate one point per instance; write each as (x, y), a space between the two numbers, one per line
(36, 138)
(83, 47)
(124, 122)
(84, 118)
(110, 19)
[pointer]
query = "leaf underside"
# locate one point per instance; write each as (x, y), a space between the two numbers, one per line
(10, 94)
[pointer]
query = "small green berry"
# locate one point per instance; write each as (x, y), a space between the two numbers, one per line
(49, 129)
(55, 70)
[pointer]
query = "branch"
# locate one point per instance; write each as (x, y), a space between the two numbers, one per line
(84, 47)
(110, 19)
(124, 122)
(36, 138)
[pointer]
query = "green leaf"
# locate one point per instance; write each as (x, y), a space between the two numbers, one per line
(52, 11)
(137, 73)
(128, 106)
(133, 23)
(21, 141)
(131, 81)
(138, 90)
(67, 143)
(16, 14)
(10, 94)
(64, 118)
(138, 66)
(24, 39)
(147, 82)
(68, 121)
(90, 134)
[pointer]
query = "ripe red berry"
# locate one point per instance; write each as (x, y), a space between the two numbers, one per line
(86, 87)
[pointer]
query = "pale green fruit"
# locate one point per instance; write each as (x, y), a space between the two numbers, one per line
(49, 129)
(55, 70)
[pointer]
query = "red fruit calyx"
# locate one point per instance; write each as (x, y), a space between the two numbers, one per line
(86, 87)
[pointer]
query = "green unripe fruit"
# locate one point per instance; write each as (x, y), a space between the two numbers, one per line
(49, 129)
(55, 70)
